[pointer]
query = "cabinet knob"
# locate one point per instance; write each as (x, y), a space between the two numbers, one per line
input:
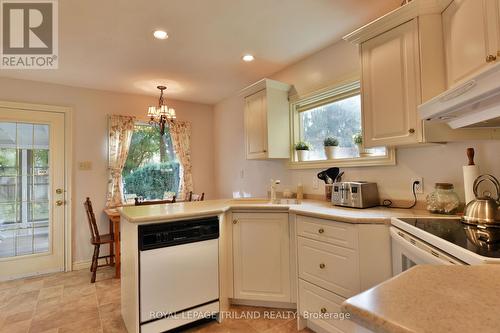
(59, 203)
(322, 265)
(323, 310)
(411, 130)
(321, 230)
(264, 151)
(491, 58)
(235, 221)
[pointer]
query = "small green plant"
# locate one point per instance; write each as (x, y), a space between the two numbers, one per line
(357, 139)
(301, 145)
(331, 142)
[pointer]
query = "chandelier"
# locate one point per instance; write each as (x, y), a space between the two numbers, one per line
(161, 114)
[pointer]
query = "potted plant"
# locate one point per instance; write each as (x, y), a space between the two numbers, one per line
(331, 143)
(358, 142)
(302, 149)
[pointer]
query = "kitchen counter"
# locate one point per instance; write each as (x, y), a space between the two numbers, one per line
(320, 209)
(432, 299)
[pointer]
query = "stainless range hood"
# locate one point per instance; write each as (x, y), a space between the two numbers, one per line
(473, 104)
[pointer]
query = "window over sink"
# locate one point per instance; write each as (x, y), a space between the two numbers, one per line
(328, 123)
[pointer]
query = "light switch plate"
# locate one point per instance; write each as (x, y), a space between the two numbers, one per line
(85, 165)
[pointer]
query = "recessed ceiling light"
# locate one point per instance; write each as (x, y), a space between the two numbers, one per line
(160, 34)
(248, 57)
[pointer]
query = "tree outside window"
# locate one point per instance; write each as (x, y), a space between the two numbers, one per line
(151, 170)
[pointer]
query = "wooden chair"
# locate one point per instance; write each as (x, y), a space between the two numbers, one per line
(196, 197)
(141, 202)
(97, 240)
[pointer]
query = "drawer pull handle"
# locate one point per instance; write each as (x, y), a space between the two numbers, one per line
(323, 310)
(322, 265)
(321, 231)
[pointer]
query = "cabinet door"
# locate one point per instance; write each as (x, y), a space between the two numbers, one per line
(391, 87)
(256, 125)
(261, 256)
(470, 37)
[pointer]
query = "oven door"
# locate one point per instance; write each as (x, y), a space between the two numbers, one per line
(409, 251)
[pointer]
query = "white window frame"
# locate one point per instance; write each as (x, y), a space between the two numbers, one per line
(318, 98)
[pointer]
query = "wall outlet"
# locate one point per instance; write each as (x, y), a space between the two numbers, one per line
(419, 188)
(85, 166)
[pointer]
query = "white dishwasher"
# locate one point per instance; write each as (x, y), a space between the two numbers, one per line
(179, 273)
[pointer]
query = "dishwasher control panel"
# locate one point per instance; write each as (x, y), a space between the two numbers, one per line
(158, 235)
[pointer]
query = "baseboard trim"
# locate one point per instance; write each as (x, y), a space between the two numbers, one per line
(85, 264)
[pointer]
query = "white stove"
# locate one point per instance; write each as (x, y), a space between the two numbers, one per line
(442, 241)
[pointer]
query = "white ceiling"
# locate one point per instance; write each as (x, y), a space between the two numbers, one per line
(109, 44)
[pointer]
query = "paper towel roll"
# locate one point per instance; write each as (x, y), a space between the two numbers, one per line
(471, 172)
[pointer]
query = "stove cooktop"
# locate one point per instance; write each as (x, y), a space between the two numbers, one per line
(482, 241)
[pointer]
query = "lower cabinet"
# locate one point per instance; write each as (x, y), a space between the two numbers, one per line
(336, 261)
(261, 257)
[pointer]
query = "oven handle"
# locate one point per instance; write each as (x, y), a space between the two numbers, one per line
(418, 247)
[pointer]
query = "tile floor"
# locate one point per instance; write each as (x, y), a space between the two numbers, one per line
(68, 302)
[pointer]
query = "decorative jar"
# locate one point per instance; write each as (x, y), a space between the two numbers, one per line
(443, 200)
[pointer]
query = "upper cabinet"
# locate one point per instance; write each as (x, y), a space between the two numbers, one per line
(403, 64)
(471, 37)
(267, 131)
(391, 87)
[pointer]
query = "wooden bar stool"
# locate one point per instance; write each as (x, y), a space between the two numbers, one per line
(97, 240)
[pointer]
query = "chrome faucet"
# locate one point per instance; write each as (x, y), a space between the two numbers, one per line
(273, 190)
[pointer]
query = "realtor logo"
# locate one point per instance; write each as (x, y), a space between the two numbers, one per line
(29, 34)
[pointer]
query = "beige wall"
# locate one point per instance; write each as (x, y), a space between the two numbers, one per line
(435, 163)
(91, 108)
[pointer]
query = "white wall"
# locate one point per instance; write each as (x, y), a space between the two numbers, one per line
(435, 163)
(91, 108)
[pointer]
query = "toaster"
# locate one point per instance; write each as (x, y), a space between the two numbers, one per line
(358, 194)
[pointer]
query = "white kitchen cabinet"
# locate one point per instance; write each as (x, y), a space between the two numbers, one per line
(391, 87)
(403, 64)
(261, 257)
(336, 261)
(471, 38)
(267, 133)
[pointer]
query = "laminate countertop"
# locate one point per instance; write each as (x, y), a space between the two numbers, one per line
(432, 299)
(320, 209)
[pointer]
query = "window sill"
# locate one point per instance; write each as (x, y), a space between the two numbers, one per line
(389, 159)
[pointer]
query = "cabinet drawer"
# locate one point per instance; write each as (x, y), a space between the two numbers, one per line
(328, 266)
(313, 299)
(337, 233)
